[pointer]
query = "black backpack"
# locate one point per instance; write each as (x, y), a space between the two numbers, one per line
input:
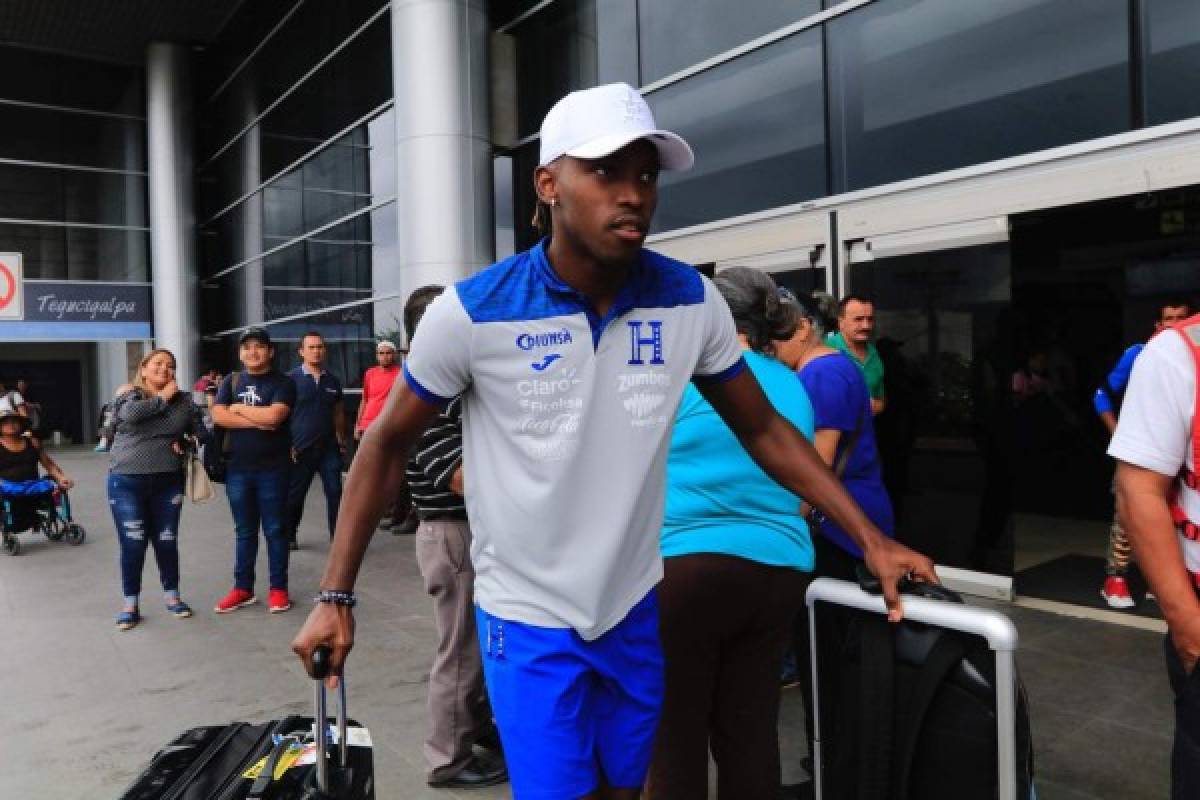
(216, 450)
(916, 715)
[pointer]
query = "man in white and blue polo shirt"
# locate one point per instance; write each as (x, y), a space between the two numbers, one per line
(571, 359)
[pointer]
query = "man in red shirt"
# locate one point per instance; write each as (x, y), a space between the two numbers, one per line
(377, 383)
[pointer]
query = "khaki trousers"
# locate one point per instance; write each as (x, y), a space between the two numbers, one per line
(457, 708)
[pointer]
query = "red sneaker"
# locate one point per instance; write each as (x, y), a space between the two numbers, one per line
(278, 601)
(1116, 592)
(235, 600)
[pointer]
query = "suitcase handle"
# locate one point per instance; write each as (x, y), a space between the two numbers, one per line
(320, 662)
(871, 585)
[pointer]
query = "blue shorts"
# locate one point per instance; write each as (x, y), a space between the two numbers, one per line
(567, 708)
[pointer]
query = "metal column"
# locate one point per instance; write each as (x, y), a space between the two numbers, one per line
(443, 153)
(172, 216)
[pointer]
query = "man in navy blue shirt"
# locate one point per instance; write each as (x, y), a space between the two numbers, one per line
(253, 407)
(318, 425)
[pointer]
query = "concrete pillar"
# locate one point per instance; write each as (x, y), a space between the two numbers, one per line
(172, 215)
(112, 367)
(443, 154)
(248, 281)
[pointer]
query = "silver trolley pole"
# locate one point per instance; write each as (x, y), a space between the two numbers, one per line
(997, 629)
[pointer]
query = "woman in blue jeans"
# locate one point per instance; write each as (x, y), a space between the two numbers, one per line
(146, 479)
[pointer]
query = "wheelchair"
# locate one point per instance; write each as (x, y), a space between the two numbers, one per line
(41, 507)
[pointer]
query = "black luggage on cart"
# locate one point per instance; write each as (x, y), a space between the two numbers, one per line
(925, 709)
(285, 759)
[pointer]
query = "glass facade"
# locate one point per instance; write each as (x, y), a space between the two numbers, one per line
(297, 179)
(1171, 45)
(756, 126)
(675, 34)
(73, 167)
(572, 44)
(925, 86)
(944, 333)
(886, 91)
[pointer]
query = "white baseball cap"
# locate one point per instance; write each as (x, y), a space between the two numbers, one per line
(592, 123)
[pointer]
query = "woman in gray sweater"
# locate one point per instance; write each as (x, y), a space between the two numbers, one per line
(146, 479)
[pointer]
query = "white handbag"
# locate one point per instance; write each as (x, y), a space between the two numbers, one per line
(199, 487)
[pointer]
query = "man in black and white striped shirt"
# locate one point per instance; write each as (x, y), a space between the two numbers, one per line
(457, 709)
(435, 468)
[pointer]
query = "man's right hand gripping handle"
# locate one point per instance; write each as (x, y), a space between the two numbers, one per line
(330, 625)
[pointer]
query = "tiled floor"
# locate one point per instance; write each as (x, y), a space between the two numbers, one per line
(86, 706)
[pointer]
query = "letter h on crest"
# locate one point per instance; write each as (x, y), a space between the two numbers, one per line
(637, 342)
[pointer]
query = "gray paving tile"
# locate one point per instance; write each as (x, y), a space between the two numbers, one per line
(1109, 760)
(88, 705)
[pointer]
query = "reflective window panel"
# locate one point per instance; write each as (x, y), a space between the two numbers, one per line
(757, 127)
(943, 328)
(1171, 31)
(57, 80)
(56, 252)
(64, 195)
(58, 137)
(347, 176)
(501, 12)
(921, 86)
(524, 161)
(678, 33)
(356, 81)
(572, 44)
(305, 39)
(103, 254)
(502, 193)
(238, 39)
(43, 249)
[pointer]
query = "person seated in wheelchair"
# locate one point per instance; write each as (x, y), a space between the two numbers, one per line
(22, 488)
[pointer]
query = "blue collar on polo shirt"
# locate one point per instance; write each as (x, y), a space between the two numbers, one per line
(625, 300)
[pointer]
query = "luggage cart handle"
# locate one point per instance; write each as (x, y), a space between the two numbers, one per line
(320, 662)
(996, 628)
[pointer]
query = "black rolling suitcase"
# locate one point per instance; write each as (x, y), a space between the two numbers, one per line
(930, 708)
(285, 759)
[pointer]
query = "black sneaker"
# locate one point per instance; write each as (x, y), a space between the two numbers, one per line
(490, 740)
(478, 773)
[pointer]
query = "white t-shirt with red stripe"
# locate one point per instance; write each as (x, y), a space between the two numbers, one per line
(1155, 426)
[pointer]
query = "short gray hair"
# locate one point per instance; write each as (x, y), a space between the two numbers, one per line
(758, 311)
(819, 308)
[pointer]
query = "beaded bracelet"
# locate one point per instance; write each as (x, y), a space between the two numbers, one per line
(337, 598)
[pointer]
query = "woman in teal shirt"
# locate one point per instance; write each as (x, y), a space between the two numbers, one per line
(736, 555)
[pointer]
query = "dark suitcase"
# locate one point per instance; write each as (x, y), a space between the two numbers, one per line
(931, 707)
(288, 759)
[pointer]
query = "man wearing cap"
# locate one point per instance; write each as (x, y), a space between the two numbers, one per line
(377, 384)
(571, 359)
(253, 407)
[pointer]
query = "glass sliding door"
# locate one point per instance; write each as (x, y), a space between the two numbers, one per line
(943, 331)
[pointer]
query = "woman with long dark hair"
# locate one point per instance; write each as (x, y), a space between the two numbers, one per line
(154, 422)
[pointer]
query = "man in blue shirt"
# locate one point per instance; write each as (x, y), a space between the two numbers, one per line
(1107, 402)
(253, 407)
(318, 425)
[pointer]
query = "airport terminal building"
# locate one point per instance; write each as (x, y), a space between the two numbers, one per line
(1005, 178)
